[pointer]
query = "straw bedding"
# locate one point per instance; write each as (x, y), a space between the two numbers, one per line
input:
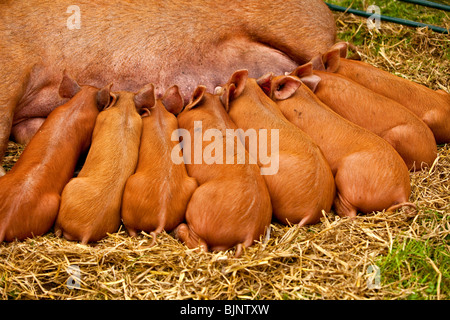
(329, 260)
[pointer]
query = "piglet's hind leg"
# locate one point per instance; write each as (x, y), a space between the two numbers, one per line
(190, 239)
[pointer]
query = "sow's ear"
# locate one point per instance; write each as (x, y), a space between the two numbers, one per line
(284, 87)
(197, 97)
(68, 87)
(172, 100)
(145, 99)
(234, 87)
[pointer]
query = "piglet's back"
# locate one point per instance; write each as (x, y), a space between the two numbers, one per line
(90, 203)
(432, 107)
(231, 207)
(156, 196)
(303, 185)
(30, 192)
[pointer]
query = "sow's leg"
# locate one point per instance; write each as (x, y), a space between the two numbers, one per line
(12, 88)
(304, 28)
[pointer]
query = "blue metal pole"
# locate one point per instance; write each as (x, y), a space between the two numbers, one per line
(387, 18)
(429, 4)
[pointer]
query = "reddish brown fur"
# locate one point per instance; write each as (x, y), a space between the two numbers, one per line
(231, 207)
(304, 184)
(406, 132)
(369, 173)
(90, 203)
(137, 42)
(30, 192)
(433, 107)
(156, 196)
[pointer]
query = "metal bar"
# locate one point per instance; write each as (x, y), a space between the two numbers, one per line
(429, 4)
(387, 18)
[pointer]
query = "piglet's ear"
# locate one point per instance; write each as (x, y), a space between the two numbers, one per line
(342, 47)
(144, 112)
(332, 60)
(344, 50)
(265, 83)
(197, 97)
(172, 100)
(355, 55)
(238, 79)
(234, 87)
(284, 87)
(307, 76)
(303, 70)
(317, 63)
(68, 87)
(104, 97)
(145, 98)
(311, 81)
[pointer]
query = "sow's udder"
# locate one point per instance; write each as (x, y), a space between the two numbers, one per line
(32, 111)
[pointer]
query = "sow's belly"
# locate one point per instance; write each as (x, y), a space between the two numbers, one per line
(130, 72)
